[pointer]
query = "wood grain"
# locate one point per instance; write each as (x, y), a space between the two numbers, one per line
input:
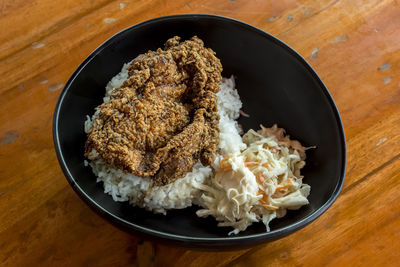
(353, 45)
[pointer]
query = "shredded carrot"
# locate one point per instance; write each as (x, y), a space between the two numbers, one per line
(264, 199)
(224, 159)
(266, 146)
(282, 188)
(249, 164)
(271, 148)
(265, 164)
(260, 192)
(225, 167)
(269, 207)
(260, 178)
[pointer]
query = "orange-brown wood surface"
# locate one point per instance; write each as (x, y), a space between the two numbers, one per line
(353, 45)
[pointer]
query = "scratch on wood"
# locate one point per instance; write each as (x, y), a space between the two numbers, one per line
(44, 81)
(342, 38)
(284, 255)
(36, 45)
(220, 10)
(65, 23)
(109, 20)
(188, 5)
(314, 53)
(307, 18)
(55, 86)
(8, 138)
(122, 5)
(381, 141)
(271, 18)
(371, 173)
(240, 258)
(384, 67)
(289, 18)
(329, 226)
(387, 79)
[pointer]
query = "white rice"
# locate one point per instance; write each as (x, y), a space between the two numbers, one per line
(184, 191)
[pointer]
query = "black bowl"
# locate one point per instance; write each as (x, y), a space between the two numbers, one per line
(276, 85)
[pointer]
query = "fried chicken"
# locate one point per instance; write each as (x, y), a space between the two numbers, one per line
(163, 118)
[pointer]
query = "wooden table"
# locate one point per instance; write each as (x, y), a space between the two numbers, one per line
(353, 45)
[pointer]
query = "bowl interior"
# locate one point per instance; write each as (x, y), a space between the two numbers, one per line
(275, 85)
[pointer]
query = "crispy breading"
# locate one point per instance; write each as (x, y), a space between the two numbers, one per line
(163, 118)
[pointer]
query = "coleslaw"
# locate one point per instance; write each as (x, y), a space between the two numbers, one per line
(259, 183)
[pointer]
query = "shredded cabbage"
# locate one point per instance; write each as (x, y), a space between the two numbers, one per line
(257, 184)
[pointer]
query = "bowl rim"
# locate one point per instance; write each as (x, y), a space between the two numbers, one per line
(182, 239)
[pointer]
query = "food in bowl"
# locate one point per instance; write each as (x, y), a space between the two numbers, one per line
(163, 118)
(166, 137)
